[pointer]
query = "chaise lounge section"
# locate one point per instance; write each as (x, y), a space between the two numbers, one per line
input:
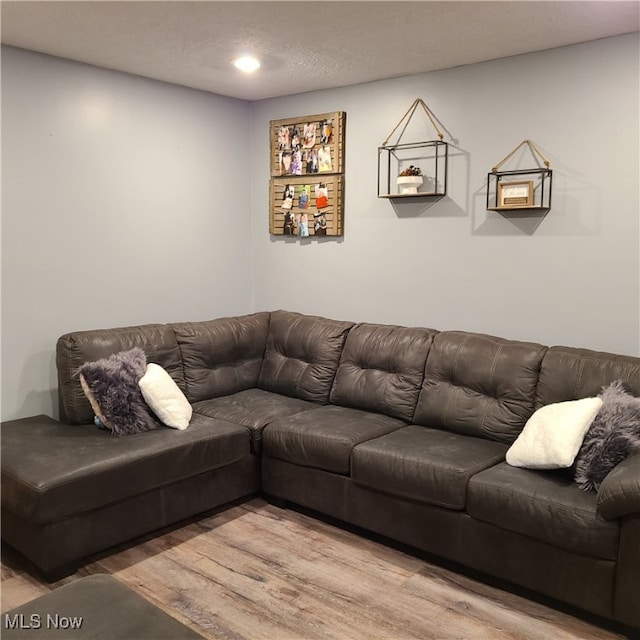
(402, 431)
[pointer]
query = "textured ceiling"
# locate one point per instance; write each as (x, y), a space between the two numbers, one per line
(303, 46)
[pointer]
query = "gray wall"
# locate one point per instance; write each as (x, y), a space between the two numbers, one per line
(122, 203)
(571, 277)
(127, 201)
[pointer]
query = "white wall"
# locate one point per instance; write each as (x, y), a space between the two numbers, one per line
(571, 277)
(122, 203)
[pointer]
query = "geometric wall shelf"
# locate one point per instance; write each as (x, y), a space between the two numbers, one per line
(413, 169)
(520, 189)
(524, 189)
(431, 157)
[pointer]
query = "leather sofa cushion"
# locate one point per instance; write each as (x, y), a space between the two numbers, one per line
(324, 438)
(479, 385)
(51, 470)
(543, 505)
(302, 355)
(382, 369)
(222, 356)
(74, 349)
(252, 408)
(571, 374)
(424, 464)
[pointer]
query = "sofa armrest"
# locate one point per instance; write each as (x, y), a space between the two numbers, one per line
(619, 493)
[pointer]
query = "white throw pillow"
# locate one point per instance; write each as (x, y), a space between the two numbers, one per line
(164, 397)
(552, 436)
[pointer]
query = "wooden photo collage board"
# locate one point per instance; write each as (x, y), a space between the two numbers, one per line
(306, 189)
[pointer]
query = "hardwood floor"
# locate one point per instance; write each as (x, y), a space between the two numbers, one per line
(255, 571)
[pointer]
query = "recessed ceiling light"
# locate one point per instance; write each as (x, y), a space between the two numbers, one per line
(247, 64)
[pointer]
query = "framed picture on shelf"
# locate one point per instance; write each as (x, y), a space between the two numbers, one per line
(515, 194)
(306, 206)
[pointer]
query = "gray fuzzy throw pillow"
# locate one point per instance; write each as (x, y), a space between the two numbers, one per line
(111, 385)
(613, 436)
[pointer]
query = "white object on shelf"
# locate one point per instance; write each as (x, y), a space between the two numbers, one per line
(409, 184)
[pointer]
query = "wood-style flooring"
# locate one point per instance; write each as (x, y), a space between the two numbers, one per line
(256, 571)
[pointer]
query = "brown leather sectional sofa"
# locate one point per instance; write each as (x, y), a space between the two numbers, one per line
(401, 431)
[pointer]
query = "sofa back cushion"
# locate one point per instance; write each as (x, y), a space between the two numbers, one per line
(74, 349)
(382, 369)
(479, 385)
(569, 373)
(221, 356)
(302, 355)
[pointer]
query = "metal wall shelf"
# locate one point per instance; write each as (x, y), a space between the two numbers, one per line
(432, 156)
(531, 190)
